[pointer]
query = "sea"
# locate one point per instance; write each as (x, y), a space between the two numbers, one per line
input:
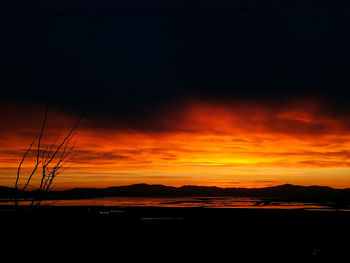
(206, 202)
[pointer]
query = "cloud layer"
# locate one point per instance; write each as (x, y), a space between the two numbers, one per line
(199, 142)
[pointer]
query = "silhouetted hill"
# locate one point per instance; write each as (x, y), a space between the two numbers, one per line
(287, 191)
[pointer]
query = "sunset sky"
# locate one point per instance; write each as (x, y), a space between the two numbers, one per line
(183, 92)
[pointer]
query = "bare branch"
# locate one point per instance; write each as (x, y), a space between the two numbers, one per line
(52, 160)
(67, 138)
(51, 148)
(20, 164)
(38, 150)
(18, 171)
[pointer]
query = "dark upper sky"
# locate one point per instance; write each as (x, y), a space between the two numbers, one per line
(137, 58)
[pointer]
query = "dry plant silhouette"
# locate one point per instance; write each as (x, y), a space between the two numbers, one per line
(52, 161)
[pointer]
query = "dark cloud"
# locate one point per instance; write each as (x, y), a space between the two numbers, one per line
(88, 156)
(139, 59)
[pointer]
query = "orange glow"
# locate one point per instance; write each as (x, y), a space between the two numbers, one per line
(238, 145)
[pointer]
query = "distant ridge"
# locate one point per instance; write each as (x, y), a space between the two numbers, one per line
(286, 191)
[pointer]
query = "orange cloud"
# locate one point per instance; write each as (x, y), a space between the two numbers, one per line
(238, 144)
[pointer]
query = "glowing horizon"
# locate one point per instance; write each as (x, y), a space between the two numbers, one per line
(226, 145)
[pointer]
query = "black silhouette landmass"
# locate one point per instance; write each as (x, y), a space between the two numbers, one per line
(286, 192)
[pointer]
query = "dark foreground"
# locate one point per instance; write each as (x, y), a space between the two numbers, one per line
(175, 234)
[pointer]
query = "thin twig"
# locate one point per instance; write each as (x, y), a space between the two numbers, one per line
(38, 151)
(19, 169)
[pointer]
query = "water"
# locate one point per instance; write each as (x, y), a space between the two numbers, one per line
(209, 202)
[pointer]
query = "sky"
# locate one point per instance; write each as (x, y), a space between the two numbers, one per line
(224, 93)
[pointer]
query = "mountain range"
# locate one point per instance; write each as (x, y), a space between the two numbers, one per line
(286, 191)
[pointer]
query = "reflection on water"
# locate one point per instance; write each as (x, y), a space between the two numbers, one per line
(210, 202)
